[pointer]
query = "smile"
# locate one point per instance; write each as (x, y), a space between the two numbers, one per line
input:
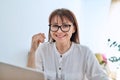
(60, 36)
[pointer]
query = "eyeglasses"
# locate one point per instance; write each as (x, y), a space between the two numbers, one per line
(63, 27)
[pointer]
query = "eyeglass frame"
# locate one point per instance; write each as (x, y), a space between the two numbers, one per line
(69, 25)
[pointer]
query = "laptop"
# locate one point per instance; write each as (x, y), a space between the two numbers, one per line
(12, 72)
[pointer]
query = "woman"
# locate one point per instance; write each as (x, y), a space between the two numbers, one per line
(62, 57)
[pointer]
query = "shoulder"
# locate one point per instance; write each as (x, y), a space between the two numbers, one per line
(45, 46)
(82, 48)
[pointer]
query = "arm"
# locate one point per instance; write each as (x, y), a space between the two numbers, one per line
(36, 40)
(31, 59)
(93, 69)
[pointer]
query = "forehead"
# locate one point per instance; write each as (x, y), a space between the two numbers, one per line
(58, 19)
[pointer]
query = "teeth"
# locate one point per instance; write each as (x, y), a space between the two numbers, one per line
(60, 36)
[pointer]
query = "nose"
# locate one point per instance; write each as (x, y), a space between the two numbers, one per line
(59, 29)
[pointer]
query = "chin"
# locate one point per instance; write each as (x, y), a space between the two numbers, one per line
(62, 41)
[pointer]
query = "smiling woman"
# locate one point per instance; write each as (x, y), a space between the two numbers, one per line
(63, 57)
(20, 19)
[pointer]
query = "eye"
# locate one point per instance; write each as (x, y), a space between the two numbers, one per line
(54, 25)
(66, 25)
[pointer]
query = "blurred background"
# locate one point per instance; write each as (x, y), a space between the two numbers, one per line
(98, 26)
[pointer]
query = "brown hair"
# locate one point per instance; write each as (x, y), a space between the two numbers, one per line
(62, 13)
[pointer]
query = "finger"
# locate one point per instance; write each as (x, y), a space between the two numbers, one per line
(38, 38)
(35, 40)
(43, 35)
(41, 40)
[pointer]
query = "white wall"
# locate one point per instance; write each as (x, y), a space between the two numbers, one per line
(95, 14)
(20, 19)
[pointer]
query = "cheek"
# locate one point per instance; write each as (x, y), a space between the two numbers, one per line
(70, 34)
(51, 33)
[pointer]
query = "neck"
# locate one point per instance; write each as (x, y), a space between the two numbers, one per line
(63, 47)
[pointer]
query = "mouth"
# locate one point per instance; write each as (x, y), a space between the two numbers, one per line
(60, 36)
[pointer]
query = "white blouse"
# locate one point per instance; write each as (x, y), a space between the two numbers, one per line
(75, 64)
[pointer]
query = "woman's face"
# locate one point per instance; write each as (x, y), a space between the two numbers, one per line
(61, 36)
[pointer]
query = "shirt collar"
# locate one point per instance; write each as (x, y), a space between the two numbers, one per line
(66, 53)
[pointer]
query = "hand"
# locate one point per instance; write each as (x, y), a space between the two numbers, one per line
(36, 40)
